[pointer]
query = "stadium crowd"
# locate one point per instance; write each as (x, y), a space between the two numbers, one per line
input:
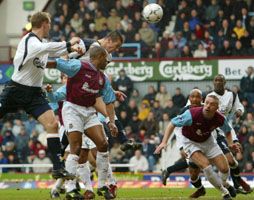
(23, 140)
(203, 28)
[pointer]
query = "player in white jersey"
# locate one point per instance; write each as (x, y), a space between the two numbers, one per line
(24, 90)
(229, 104)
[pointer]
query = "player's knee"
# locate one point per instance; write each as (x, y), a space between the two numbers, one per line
(82, 157)
(224, 169)
(51, 126)
(103, 147)
(75, 148)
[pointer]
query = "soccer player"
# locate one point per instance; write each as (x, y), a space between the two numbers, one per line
(79, 114)
(24, 90)
(195, 99)
(199, 144)
(230, 106)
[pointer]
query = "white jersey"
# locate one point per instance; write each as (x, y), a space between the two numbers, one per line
(31, 59)
(228, 107)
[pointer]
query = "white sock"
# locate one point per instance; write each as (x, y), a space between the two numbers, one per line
(111, 178)
(224, 177)
(84, 173)
(58, 184)
(102, 162)
(214, 179)
(71, 166)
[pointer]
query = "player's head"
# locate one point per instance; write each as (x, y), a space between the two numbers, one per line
(41, 20)
(211, 105)
(195, 97)
(98, 57)
(219, 83)
(112, 42)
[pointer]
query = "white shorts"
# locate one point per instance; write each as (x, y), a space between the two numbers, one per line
(210, 147)
(179, 137)
(79, 118)
(87, 143)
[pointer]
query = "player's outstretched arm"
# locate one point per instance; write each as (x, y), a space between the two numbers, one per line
(166, 136)
(68, 67)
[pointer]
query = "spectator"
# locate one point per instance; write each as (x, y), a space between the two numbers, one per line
(113, 20)
(186, 53)
(201, 52)
(76, 23)
(163, 124)
(99, 21)
(124, 118)
(137, 21)
(136, 96)
(251, 49)
(21, 142)
(151, 94)
(194, 20)
(8, 137)
(157, 110)
(129, 33)
(179, 40)
(226, 50)
(116, 155)
(13, 159)
(132, 108)
(178, 98)
(238, 50)
(212, 10)
(239, 29)
(139, 162)
(150, 125)
(134, 123)
(247, 85)
(171, 109)
(144, 110)
(194, 42)
(124, 83)
(172, 52)
(186, 30)
(148, 149)
(56, 33)
(3, 160)
(162, 96)
(42, 159)
(213, 51)
(147, 34)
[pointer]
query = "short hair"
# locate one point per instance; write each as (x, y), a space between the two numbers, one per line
(115, 36)
(220, 75)
(38, 18)
(214, 97)
(195, 90)
(96, 52)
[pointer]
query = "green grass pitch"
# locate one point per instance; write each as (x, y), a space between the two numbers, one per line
(130, 194)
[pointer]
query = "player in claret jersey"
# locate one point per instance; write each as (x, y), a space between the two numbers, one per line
(199, 144)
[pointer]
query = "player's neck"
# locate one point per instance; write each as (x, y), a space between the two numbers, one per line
(38, 33)
(220, 92)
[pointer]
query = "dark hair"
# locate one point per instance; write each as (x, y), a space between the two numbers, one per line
(96, 52)
(115, 36)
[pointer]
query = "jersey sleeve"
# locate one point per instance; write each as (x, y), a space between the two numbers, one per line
(107, 92)
(38, 48)
(237, 105)
(226, 127)
(70, 67)
(58, 95)
(184, 119)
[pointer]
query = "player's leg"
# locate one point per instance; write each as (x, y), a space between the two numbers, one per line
(194, 171)
(178, 166)
(94, 130)
(121, 138)
(234, 168)
(202, 161)
(84, 172)
(75, 140)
